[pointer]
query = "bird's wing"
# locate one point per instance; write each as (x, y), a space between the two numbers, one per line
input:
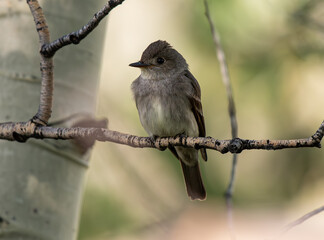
(196, 108)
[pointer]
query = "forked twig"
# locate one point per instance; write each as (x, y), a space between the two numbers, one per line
(48, 49)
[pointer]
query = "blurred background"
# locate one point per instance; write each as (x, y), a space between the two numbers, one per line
(275, 54)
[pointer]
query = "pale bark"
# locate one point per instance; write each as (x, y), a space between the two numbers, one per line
(42, 181)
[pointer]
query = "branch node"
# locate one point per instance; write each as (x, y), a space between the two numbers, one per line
(217, 143)
(236, 145)
(224, 150)
(44, 51)
(39, 122)
(19, 137)
(74, 39)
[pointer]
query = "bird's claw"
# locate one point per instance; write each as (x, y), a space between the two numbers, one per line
(157, 145)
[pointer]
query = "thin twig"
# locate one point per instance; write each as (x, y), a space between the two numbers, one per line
(50, 49)
(224, 71)
(226, 80)
(302, 219)
(230, 222)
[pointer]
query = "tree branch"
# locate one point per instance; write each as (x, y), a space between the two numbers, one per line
(22, 131)
(49, 49)
(46, 66)
(227, 82)
(224, 71)
(302, 219)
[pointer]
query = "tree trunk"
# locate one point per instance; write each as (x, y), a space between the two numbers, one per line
(42, 181)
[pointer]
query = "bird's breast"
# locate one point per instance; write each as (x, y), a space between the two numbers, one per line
(166, 115)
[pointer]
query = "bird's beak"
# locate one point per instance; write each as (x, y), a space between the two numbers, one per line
(139, 64)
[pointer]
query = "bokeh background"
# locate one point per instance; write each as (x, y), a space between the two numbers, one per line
(275, 54)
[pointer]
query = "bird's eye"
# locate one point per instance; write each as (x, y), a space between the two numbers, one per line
(160, 60)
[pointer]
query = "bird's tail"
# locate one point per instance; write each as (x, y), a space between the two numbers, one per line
(194, 184)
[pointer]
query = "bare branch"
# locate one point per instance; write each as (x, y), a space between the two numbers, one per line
(46, 66)
(224, 71)
(49, 49)
(302, 219)
(22, 131)
(227, 82)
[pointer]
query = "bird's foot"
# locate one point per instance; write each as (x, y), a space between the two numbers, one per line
(180, 135)
(158, 144)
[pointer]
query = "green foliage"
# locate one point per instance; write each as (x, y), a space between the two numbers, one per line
(102, 215)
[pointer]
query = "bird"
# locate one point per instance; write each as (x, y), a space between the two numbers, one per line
(168, 100)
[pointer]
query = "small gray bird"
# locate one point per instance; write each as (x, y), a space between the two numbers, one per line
(167, 98)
